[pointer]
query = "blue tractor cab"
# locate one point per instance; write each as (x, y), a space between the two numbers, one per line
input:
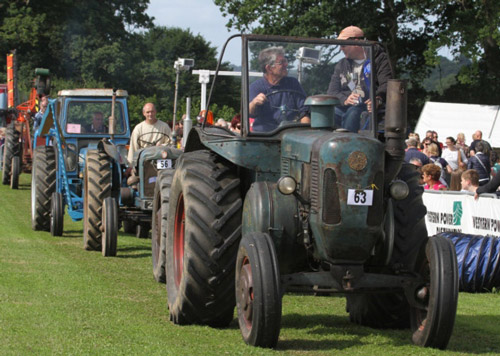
(67, 145)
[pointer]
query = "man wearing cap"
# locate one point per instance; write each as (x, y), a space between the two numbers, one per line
(349, 85)
(413, 152)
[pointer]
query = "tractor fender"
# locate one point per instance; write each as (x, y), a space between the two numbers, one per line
(267, 210)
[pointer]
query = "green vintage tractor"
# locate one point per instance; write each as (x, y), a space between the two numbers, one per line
(303, 207)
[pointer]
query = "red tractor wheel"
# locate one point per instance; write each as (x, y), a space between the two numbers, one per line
(203, 233)
(258, 290)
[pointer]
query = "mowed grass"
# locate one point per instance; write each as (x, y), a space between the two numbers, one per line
(58, 299)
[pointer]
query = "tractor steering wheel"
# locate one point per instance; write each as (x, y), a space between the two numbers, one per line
(145, 143)
(284, 109)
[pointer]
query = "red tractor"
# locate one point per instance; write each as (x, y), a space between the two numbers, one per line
(17, 150)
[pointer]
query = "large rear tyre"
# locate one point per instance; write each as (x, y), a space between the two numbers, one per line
(11, 149)
(43, 184)
(159, 225)
(433, 319)
(110, 227)
(392, 310)
(56, 214)
(258, 290)
(97, 187)
(204, 229)
(14, 172)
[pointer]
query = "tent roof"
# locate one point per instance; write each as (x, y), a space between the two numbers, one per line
(448, 119)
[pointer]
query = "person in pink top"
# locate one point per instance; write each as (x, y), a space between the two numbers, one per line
(431, 174)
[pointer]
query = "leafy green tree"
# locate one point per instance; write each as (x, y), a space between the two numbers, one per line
(83, 40)
(413, 30)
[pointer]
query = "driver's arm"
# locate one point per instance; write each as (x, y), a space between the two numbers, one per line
(257, 101)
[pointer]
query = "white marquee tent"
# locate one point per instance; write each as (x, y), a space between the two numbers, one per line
(448, 119)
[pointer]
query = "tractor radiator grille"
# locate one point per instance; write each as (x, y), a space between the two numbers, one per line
(331, 202)
(376, 211)
(314, 184)
(285, 167)
(149, 179)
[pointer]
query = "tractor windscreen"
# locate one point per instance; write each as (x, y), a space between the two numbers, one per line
(92, 117)
(283, 74)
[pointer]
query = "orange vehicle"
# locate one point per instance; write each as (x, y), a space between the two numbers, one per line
(17, 152)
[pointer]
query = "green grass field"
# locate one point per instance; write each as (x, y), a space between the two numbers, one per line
(58, 299)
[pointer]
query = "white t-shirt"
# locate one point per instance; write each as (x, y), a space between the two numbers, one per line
(452, 157)
(145, 135)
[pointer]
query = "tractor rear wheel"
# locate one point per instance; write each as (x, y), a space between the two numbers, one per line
(392, 310)
(43, 184)
(15, 170)
(204, 230)
(56, 214)
(433, 318)
(258, 290)
(11, 149)
(159, 225)
(110, 227)
(97, 187)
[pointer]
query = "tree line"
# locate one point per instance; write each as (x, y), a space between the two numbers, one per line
(114, 43)
(413, 30)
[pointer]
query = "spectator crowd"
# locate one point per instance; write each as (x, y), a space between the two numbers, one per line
(454, 165)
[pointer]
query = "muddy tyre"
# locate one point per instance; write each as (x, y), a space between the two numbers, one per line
(391, 310)
(110, 227)
(15, 171)
(258, 290)
(11, 149)
(97, 187)
(433, 318)
(43, 184)
(159, 224)
(203, 234)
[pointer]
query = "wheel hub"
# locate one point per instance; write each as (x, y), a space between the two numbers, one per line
(246, 295)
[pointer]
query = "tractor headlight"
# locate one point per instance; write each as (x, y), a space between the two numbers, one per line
(287, 185)
(399, 190)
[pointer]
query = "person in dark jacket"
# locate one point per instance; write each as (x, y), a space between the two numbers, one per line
(413, 152)
(481, 163)
(349, 85)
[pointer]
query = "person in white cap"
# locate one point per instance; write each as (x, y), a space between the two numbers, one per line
(348, 82)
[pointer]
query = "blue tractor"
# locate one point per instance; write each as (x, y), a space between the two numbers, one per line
(71, 167)
(303, 206)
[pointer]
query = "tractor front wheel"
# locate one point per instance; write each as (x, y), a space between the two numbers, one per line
(433, 318)
(204, 229)
(258, 290)
(14, 172)
(56, 214)
(110, 227)
(159, 225)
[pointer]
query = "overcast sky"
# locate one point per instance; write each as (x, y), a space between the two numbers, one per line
(200, 16)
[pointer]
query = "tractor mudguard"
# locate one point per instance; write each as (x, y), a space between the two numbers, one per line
(267, 210)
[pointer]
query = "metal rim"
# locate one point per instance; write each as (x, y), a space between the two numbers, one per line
(246, 292)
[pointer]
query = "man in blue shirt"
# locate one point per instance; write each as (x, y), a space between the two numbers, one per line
(413, 152)
(276, 98)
